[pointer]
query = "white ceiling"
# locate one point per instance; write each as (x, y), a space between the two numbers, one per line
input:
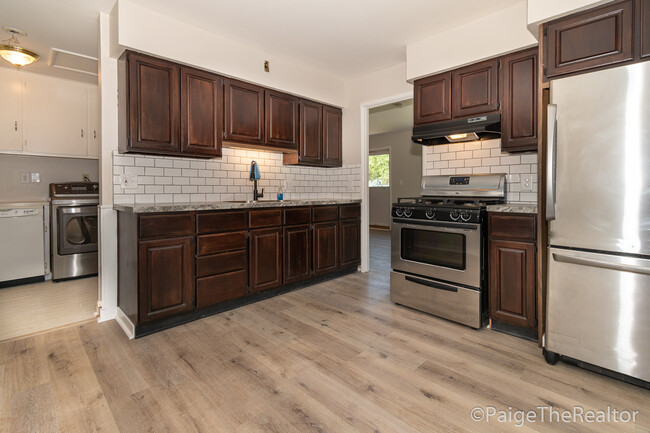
(347, 38)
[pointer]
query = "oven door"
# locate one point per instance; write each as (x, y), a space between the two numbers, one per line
(77, 229)
(439, 250)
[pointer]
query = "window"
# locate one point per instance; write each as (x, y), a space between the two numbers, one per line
(379, 170)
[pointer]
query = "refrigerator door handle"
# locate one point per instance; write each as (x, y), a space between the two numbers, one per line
(550, 161)
(575, 259)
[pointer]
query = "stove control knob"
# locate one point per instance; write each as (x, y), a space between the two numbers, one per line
(408, 213)
(454, 215)
(399, 211)
(465, 216)
(430, 213)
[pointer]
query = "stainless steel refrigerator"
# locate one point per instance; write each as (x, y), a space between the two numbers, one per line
(598, 208)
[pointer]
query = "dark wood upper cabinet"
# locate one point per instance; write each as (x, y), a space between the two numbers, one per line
(311, 135)
(519, 101)
(201, 112)
(281, 119)
(243, 112)
(475, 89)
(644, 28)
(297, 253)
(587, 40)
(332, 136)
(265, 259)
(166, 277)
(432, 99)
(325, 247)
(153, 109)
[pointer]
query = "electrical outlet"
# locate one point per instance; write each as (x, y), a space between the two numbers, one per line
(129, 181)
(526, 183)
(24, 177)
(36, 177)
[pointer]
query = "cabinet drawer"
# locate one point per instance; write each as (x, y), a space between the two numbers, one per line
(350, 211)
(220, 288)
(295, 216)
(219, 243)
(221, 221)
(221, 263)
(325, 213)
(265, 218)
(512, 226)
(167, 225)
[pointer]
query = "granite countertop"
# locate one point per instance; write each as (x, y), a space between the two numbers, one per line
(220, 205)
(513, 208)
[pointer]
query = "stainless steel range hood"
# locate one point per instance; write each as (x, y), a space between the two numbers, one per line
(474, 128)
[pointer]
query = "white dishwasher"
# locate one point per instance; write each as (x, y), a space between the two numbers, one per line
(22, 249)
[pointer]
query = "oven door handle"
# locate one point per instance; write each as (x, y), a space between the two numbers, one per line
(444, 226)
(432, 284)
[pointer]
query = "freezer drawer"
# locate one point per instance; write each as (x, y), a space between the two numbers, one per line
(598, 310)
(452, 302)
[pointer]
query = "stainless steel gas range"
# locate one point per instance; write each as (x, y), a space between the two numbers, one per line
(438, 246)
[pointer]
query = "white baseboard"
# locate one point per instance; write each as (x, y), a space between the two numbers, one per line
(127, 326)
(106, 314)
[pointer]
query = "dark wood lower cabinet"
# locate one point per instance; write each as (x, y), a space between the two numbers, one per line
(325, 247)
(512, 283)
(297, 253)
(349, 244)
(166, 277)
(265, 259)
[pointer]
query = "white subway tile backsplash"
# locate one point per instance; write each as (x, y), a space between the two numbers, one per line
(178, 180)
(482, 157)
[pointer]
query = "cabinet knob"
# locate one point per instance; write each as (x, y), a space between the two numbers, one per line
(16, 125)
(82, 133)
(94, 133)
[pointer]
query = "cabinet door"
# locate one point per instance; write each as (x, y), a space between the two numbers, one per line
(281, 119)
(332, 136)
(244, 112)
(432, 99)
(166, 277)
(644, 14)
(350, 232)
(55, 116)
(11, 113)
(325, 247)
(519, 101)
(475, 89)
(311, 136)
(154, 118)
(201, 113)
(512, 283)
(587, 40)
(94, 123)
(297, 253)
(265, 259)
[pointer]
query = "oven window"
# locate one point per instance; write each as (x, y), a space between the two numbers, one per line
(434, 248)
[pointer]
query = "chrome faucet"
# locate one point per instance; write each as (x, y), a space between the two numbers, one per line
(254, 176)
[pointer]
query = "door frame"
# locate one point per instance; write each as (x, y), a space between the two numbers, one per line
(365, 189)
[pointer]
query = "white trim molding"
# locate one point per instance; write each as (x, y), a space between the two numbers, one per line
(127, 326)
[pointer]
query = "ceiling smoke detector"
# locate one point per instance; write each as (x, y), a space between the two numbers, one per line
(11, 52)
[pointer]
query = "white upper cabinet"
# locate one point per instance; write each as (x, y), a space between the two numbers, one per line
(54, 117)
(11, 128)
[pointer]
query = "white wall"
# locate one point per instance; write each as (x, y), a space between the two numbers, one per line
(379, 206)
(540, 11)
(405, 162)
(492, 35)
(145, 30)
(52, 170)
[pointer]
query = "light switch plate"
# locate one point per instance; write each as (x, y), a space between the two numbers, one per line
(24, 177)
(129, 181)
(35, 177)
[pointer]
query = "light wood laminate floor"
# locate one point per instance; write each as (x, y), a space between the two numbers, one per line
(333, 357)
(38, 307)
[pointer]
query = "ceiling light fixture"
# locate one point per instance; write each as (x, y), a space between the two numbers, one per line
(11, 52)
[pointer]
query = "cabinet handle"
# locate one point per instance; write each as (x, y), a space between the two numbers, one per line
(16, 125)
(94, 133)
(82, 133)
